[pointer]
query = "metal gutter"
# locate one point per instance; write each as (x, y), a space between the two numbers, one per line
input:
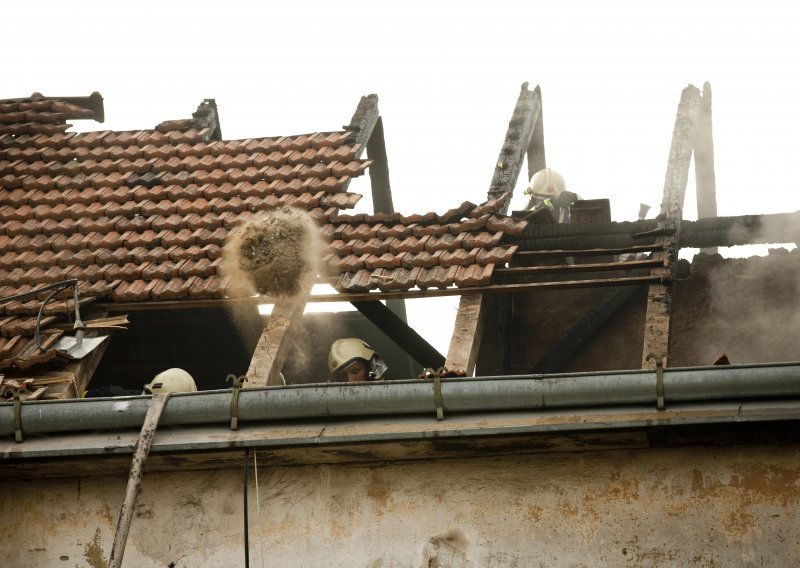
(404, 398)
(354, 433)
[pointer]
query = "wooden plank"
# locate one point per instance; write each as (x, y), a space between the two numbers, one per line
(521, 255)
(408, 294)
(536, 155)
(467, 333)
(705, 178)
(379, 171)
(140, 454)
(273, 345)
(516, 143)
(567, 268)
(659, 296)
(401, 333)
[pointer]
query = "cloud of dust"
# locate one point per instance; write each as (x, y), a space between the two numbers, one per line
(276, 253)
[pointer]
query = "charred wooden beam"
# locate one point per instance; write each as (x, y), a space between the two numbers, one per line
(407, 294)
(515, 146)
(703, 233)
(536, 154)
(539, 254)
(364, 120)
(567, 268)
(379, 170)
(467, 333)
(659, 295)
(401, 333)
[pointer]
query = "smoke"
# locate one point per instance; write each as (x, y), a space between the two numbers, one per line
(276, 253)
(747, 308)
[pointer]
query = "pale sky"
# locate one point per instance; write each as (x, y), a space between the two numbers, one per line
(448, 75)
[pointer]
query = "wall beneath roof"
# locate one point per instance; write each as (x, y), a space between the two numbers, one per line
(729, 506)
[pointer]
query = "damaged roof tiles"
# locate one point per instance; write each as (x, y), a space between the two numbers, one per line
(141, 216)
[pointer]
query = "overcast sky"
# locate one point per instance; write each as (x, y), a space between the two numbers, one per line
(448, 75)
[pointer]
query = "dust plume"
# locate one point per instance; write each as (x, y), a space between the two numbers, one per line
(276, 253)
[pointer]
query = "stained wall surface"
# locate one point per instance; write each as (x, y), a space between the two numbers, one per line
(735, 506)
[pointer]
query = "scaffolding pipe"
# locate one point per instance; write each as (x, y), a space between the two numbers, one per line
(479, 394)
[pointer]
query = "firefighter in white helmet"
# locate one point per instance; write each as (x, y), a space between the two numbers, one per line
(548, 190)
(171, 380)
(352, 360)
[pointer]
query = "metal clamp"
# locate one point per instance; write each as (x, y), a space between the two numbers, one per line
(237, 386)
(659, 361)
(437, 396)
(17, 417)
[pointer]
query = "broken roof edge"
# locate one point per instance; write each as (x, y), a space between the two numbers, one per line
(93, 104)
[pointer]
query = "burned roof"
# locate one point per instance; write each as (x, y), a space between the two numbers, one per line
(142, 215)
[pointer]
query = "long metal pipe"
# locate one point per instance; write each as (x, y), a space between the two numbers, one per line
(521, 392)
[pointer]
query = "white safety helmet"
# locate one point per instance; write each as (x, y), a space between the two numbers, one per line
(171, 380)
(546, 183)
(344, 351)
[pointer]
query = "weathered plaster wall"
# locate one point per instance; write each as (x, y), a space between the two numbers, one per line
(666, 507)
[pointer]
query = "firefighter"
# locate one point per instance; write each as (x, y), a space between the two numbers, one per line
(548, 190)
(171, 380)
(352, 360)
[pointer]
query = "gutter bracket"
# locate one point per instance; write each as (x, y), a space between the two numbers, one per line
(437, 396)
(237, 385)
(659, 361)
(17, 418)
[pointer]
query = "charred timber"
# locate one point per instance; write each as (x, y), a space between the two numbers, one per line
(711, 232)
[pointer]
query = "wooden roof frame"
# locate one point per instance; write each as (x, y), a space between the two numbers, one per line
(524, 140)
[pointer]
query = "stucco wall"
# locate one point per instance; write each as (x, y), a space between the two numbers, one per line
(658, 507)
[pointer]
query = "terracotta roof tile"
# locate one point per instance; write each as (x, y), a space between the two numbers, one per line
(437, 277)
(474, 275)
(359, 281)
(482, 240)
(172, 289)
(374, 246)
(422, 259)
(496, 255)
(469, 225)
(508, 225)
(209, 287)
(135, 224)
(135, 291)
(386, 260)
(458, 257)
(127, 272)
(200, 267)
(446, 241)
(434, 230)
(399, 279)
(409, 244)
(161, 271)
(491, 206)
